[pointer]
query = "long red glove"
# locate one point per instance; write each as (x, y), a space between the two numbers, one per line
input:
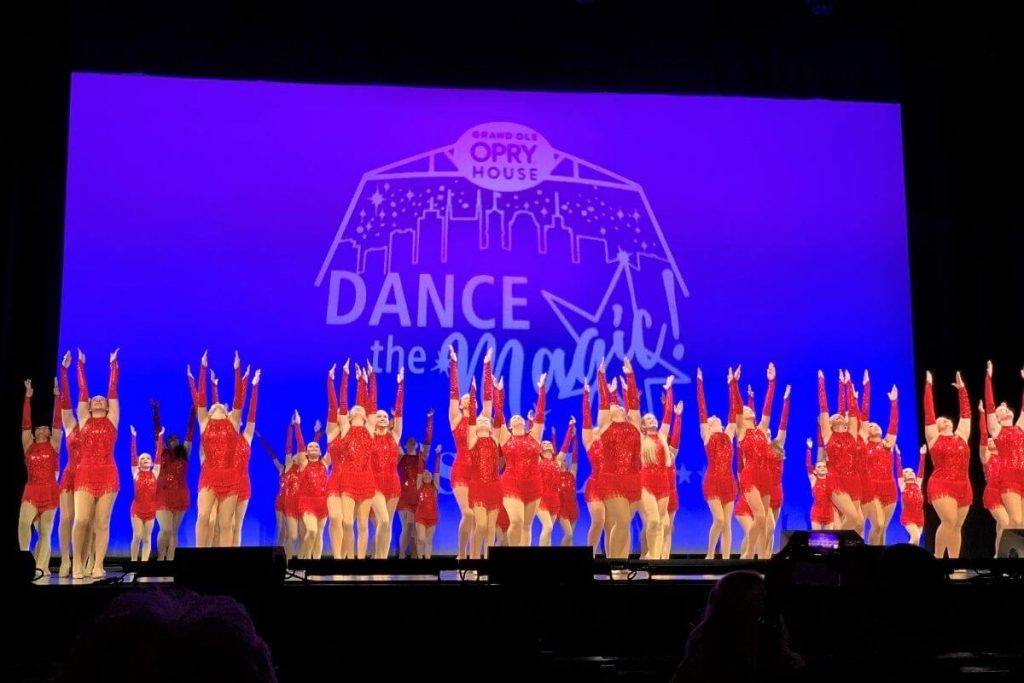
(702, 406)
(784, 420)
(588, 418)
(822, 398)
(677, 431)
(191, 429)
(400, 399)
(453, 379)
(362, 398)
(83, 389)
(300, 440)
(115, 374)
(343, 391)
(332, 402)
(251, 417)
(488, 382)
(499, 408)
(569, 434)
(58, 419)
(929, 405)
(65, 389)
(542, 397)
(990, 401)
(472, 403)
(965, 402)
(372, 380)
(865, 410)
(769, 398)
(603, 394)
(666, 408)
(894, 418)
(135, 452)
(26, 415)
(632, 393)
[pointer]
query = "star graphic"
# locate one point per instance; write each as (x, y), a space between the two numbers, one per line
(683, 474)
(619, 214)
(409, 194)
(636, 215)
(376, 198)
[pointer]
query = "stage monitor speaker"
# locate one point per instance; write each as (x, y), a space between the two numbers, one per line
(1011, 544)
(558, 565)
(230, 570)
(804, 543)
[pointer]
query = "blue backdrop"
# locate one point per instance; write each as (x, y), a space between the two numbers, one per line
(305, 224)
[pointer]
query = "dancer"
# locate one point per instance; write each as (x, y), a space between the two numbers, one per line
(143, 511)
(410, 466)
(521, 447)
(551, 468)
(218, 456)
(821, 509)
(568, 507)
(96, 478)
(1009, 441)
(911, 498)
(719, 485)
(282, 502)
(337, 407)
(67, 479)
(776, 464)
(657, 475)
(353, 476)
(485, 488)
(312, 494)
(991, 498)
(949, 488)
(840, 445)
(457, 408)
(244, 447)
(878, 498)
(755, 453)
(427, 514)
(620, 470)
(41, 495)
(591, 489)
(172, 494)
(387, 437)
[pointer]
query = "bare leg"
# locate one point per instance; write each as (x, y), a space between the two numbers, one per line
(746, 523)
(884, 520)
(851, 516)
(348, 521)
(668, 525)
(147, 540)
(652, 524)
(26, 515)
(1002, 522)
(293, 536)
(466, 522)
(164, 520)
(336, 528)
(318, 544)
(567, 530)
(915, 533)
(756, 536)
(726, 543)
(427, 546)
(717, 528)
(382, 528)
(516, 516)
(492, 522)
(1014, 509)
(407, 537)
(547, 525)
(617, 513)
(479, 533)
(204, 506)
(363, 524)
(597, 522)
(309, 528)
(137, 531)
(226, 519)
(67, 519)
(44, 541)
(946, 509)
(236, 523)
(175, 530)
(956, 538)
(101, 532)
(772, 520)
(529, 514)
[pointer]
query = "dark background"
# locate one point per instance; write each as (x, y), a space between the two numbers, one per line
(954, 67)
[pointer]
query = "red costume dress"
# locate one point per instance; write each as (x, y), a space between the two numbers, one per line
(719, 481)
(755, 454)
(880, 477)
(653, 474)
(821, 509)
(220, 471)
(521, 478)
(568, 507)
(550, 478)
(485, 488)
(312, 487)
(992, 497)
(620, 472)
(385, 465)
(426, 505)
(290, 492)
(743, 508)
(913, 505)
(96, 472)
(950, 456)
(244, 482)
(775, 479)
(409, 468)
(591, 490)
(1010, 445)
(67, 480)
(356, 472)
(172, 492)
(144, 503)
(41, 489)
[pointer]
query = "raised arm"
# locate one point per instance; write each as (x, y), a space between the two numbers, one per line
(238, 393)
(677, 427)
(920, 464)
(83, 391)
(67, 417)
(931, 432)
(810, 467)
(666, 409)
(270, 451)
(57, 422)
(488, 384)
(736, 402)
(632, 393)
(865, 409)
(371, 383)
(853, 410)
(250, 418)
(332, 407)
(894, 418)
(588, 420)
(702, 408)
(26, 417)
(454, 414)
(499, 427)
(537, 429)
(823, 424)
(190, 430)
(983, 452)
(899, 466)
(784, 419)
(570, 434)
(396, 427)
(990, 404)
(471, 437)
(963, 425)
(135, 453)
(604, 396)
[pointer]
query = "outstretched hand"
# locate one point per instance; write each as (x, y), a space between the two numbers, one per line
(28, 388)
(66, 360)
(679, 408)
(893, 393)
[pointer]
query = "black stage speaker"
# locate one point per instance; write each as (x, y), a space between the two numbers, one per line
(1011, 544)
(803, 543)
(826, 558)
(230, 569)
(556, 565)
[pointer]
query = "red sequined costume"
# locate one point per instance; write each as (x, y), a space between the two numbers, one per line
(67, 478)
(96, 472)
(144, 502)
(1010, 445)
(550, 478)
(313, 490)
(385, 465)
(656, 476)
(950, 456)
(620, 441)
(244, 447)
(992, 497)
(410, 465)
(485, 488)
(912, 511)
(172, 492)
(461, 471)
(41, 462)
(841, 453)
(743, 508)
(426, 505)
(279, 500)
(755, 449)
(590, 488)
(719, 478)
(882, 483)
(821, 492)
(568, 507)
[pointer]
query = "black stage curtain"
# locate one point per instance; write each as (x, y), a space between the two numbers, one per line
(953, 67)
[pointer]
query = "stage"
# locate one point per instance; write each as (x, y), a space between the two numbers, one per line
(625, 621)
